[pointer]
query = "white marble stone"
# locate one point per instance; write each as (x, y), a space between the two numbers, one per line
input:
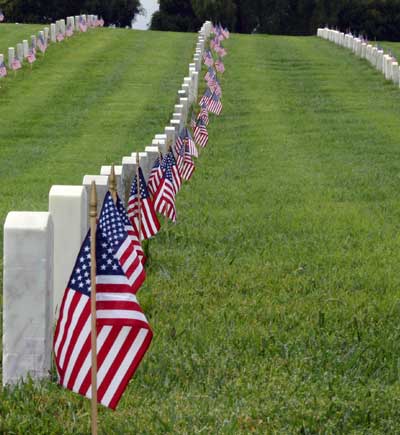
(53, 32)
(145, 162)
(363, 50)
(101, 187)
(25, 48)
(176, 123)
(68, 206)
(20, 52)
(161, 144)
(27, 296)
(11, 56)
(379, 60)
(62, 26)
(33, 41)
(395, 73)
(1, 58)
(77, 23)
(106, 170)
(46, 32)
(128, 172)
(185, 103)
(170, 133)
(185, 87)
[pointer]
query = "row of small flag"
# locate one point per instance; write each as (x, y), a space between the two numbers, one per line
(42, 43)
(123, 332)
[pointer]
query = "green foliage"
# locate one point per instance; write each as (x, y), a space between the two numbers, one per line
(119, 12)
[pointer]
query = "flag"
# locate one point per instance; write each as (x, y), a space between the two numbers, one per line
(188, 165)
(203, 114)
(193, 121)
(164, 198)
(132, 231)
(200, 133)
(69, 31)
(60, 37)
(155, 176)
(169, 161)
(149, 222)
(212, 102)
(219, 65)
(82, 25)
(16, 64)
(1, 16)
(41, 43)
(3, 69)
(123, 333)
(31, 56)
(185, 138)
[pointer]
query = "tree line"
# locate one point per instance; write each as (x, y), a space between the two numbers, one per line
(378, 19)
(119, 12)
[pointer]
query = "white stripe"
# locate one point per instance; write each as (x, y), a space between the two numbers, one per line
(121, 314)
(112, 354)
(112, 279)
(76, 316)
(150, 222)
(67, 304)
(127, 361)
(109, 296)
(135, 275)
(123, 248)
(87, 364)
(85, 332)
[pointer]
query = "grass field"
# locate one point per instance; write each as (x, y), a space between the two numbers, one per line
(275, 299)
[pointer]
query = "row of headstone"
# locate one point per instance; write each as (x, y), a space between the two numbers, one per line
(49, 35)
(40, 248)
(384, 62)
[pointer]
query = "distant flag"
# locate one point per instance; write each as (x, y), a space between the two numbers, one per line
(69, 31)
(101, 22)
(200, 133)
(170, 162)
(1, 16)
(123, 333)
(132, 231)
(155, 176)
(41, 43)
(208, 59)
(188, 165)
(183, 136)
(210, 74)
(164, 198)
(82, 24)
(31, 56)
(16, 64)
(180, 155)
(149, 222)
(212, 102)
(203, 114)
(3, 69)
(193, 121)
(219, 66)
(60, 36)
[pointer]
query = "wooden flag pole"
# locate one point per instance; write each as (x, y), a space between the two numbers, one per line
(139, 195)
(112, 184)
(93, 225)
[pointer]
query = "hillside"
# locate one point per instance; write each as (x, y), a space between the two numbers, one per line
(274, 301)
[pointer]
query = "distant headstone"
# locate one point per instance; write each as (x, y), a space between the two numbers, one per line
(53, 32)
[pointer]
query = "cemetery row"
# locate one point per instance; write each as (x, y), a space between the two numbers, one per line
(57, 32)
(40, 248)
(383, 62)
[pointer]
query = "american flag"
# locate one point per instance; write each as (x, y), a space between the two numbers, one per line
(123, 333)
(60, 36)
(200, 133)
(3, 69)
(193, 120)
(169, 161)
(41, 43)
(203, 114)
(31, 56)
(82, 25)
(188, 165)
(212, 102)
(132, 231)
(149, 222)
(155, 176)
(164, 198)
(1, 16)
(185, 138)
(208, 59)
(16, 64)
(210, 74)
(219, 65)
(101, 22)
(69, 31)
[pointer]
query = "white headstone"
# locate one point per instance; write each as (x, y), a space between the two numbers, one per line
(11, 56)
(53, 32)
(153, 153)
(25, 48)
(101, 188)
(20, 52)
(77, 23)
(68, 206)
(144, 162)
(395, 73)
(46, 32)
(127, 174)
(106, 170)
(27, 296)
(170, 135)
(33, 41)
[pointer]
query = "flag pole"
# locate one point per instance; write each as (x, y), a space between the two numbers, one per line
(112, 184)
(93, 224)
(139, 195)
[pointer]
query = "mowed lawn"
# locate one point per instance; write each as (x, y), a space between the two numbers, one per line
(275, 299)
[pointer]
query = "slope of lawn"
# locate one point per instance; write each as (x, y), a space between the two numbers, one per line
(11, 34)
(275, 299)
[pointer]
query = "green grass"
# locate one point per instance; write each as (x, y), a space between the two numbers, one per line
(275, 299)
(11, 34)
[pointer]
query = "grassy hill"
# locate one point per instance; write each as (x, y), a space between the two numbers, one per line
(275, 299)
